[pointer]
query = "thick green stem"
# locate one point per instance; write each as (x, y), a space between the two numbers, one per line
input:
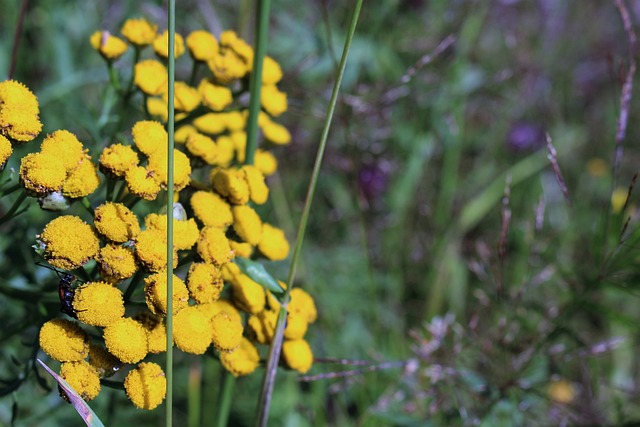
(224, 398)
(11, 213)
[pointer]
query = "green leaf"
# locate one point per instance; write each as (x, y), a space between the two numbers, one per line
(89, 417)
(257, 273)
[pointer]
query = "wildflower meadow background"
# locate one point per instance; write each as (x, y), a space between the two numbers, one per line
(470, 257)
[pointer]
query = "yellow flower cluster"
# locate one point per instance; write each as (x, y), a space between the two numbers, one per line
(19, 112)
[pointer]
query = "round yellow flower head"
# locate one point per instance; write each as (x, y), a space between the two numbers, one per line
(227, 332)
(230, 271)
(202, 45)
(156, 331)
(157, 108)
(141, 182)
(82, 181)
(258, 190)
(155, 291)
(139, 32)
(211, 209)
(127, 340)
(266, 162)
(273, 101)
(227, 66)
(236, 120)
(181, 169)
(239, 139)
(226, 150)
(116, 263)
(247, 224)
(241, 361)
(151, 249)
(215, 97)
(151, 77)
(82, 377)
(210, 123)
(241, 249)
(42, 173)
(65, 146)
(302, 303)
(185, 97)
(274, 244)
(204, 282)
(161, 45)
(98, 304)
(146, 386)
(211, 309)
(202, 147)
(5, 150)
(297, 355)
(561, 391)
(192, 330)
(110, 47)
(183, 132)
(105, 363)
(276, 133)
(271, 71)
(185, 232)
(296, 326)
(213, 246)
(64, 340)
(263, 325)
(247, 294)
(19, 112)
(149, 136)
(230, 40)
(117, 159)
(69, 242)
(116, 222)
(231, 184)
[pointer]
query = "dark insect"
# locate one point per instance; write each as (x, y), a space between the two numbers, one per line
(66, 291)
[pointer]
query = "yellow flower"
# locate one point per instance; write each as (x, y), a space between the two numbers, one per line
(230, 271)
(210, 123)
(149, 136)
(182, 133)
(618, 199)
(65, 147)
(151, 77)
(64, 340)
(181, 169)
(203, 147)
(151, 249)
(241, 361)
(211, 309)
(561, 391)
(297, 355)
(191, 330)
(247, 224)
(241, 249)
(273, 101)
(161, 45)
(42, 173)
(127, 340)
(296, 326)
(202, 45)
(239, 139)
(213, 246)
(227, 66)
(117, 159)
(266, 162)
(247, 294)
(215, 97)
(19, 112)
(139, 32)
(69, 242)
(116, 222)
(271, 71)
(5, 150)
(98, 303)
(227, 332)
(276, 133)
(230, 40)
(110, 47)
(231, 184)
(274, 244)
(226, 150)
(140, 182)
(204, 282)
(146, 386)
(156, 331)
(158, 108)
(82, 377)
(116, 263)
(185, 97)
(263, 325)
(105, 363)
(258, 190)
(82, 181)
(155, 290)
(185, 232)
(302, 303)
(236, 120)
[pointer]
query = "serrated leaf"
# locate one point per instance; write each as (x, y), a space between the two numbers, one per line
(259, 274)
(88, 416)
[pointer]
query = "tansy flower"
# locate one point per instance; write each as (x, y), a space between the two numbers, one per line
(117, 159)
(297, 355)
(98, 303)
(155, 291)
(139, 32)
(141, 182)
(191, 330)
(151, 77)
(204, 282)
(210, 309)
(230, 40)
(302, 303)
(213, 246)
(239, 139)
(82, 377)
(263, 325)
(69, 242)
(202, 146)
(185, 97)
(271, 71)
(19, 112)
(618, 199)
(241, 249)
(231, 184)
(65, 147)
(181, 169)
(116, 222)
(127, 340)
(561, 391)
(230, 271)
(64, 340)
(110, 47)
(258, 190)
(265, 161)
(182, 134)
(273, 101)
(247, 224)
(274, 244)
(146, 386)
(156, 331)
(276, 133)
(202, 45)
(227, 332)
(42, 173)
(214, 97)
(241, 361)
(151, 249)
(226, 150)
(236, 120)
(185, 232)
(149, 136)
(82, 181)
(248, 294)
(296, 326)
(5, 151)
(105, 363)
(116, 263)
(210, 123)
(227, 66)
(161, 45)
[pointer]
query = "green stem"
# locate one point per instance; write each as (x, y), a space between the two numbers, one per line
(274, 350)
(114, 79)
(224, 398)
(194, 391)
(12, 211)
(87, 205)
(10, 190)
(194, 72)
(133, 285)
(111, 186)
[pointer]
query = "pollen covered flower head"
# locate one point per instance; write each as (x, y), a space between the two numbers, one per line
(210, 123)
(227, 332)
(273, 244)
(161, 45)
(185, 97)
(116, 222)
(302, 303)
(211, 309)
(5, 150)
(117, 159)
(156, 331)
(105, 363)
(126, 339)
(98, 303)
(211, 209)
(109, 46)
(151, 77)
(258, 190)
(82, 181)
(146, 386)
(140, 181)
(215, 97)
(231, 184)
(82, 377)
(271, 71)
(69, 242)
(241, 361)
(276, 133)
(265, 162)
(181, 169)
(204, 282)
(139, 32)
(149, 136)
(263, 325)
(213, 246)
(248, 294)
(192, 330)
(19, 112)
(155, 291)
(202, 45)
(42, 173)
(273, 101)
(65, 146)
(229, 40)
(227, 66)
(297, 355)
(151, 249)
(64, 340)
(202, 147)
(247, 224)
(185, 232)
(241, 249)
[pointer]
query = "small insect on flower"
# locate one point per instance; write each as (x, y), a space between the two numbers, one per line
(66, 291)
